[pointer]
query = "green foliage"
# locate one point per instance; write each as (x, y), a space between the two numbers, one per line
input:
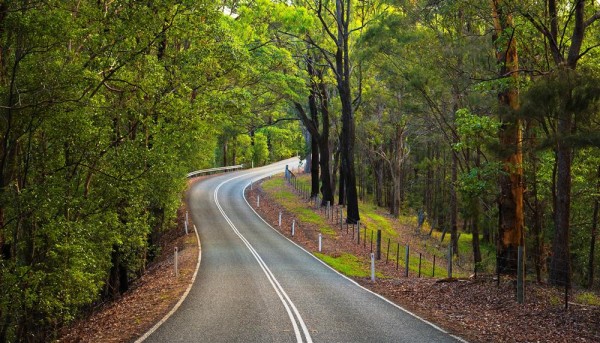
(588, 298)
(105, 109)
(261, 149)
(475, 131)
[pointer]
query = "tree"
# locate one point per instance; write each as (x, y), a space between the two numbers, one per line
(336, 23)
(510, 202)
(318, 103)
(566, 54)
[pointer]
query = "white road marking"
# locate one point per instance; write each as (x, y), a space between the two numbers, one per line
(285, 299)
(351, 280)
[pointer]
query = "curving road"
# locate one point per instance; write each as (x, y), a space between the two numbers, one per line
(254, 285)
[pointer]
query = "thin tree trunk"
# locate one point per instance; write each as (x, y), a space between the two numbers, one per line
(476, 217)
(225, 153)
(378, 170)
(537, 224)
(454, 205)
(314, 167)
(594, 233)
(560, 263)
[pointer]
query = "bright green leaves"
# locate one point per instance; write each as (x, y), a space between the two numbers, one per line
(475, 131)
(106, 107)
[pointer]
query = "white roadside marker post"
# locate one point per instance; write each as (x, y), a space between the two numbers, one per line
(186, 222)
(373, 267)
(293, 227)
(320, 242)
(176, 263)
(279, 218)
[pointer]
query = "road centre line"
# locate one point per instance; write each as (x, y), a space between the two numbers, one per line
(287, 302)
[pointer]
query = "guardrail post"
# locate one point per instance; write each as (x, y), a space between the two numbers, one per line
(320, 241)
(186, 222)
(176, 258)
(372, 267)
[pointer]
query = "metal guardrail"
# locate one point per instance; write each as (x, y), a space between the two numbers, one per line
(214, 170)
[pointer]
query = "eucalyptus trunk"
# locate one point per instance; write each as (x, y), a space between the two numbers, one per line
(510, 202)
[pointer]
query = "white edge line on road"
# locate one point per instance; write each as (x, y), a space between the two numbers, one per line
(257, 258)
(344, 276)
(187, 291)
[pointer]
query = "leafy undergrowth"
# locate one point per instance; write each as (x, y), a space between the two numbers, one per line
(477, 309)
(150, 297)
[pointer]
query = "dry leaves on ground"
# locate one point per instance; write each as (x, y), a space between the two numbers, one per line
(477, 310)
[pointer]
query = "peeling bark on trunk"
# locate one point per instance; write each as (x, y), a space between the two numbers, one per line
(510, 202)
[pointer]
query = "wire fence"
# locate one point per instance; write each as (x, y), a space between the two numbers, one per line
(413, 260)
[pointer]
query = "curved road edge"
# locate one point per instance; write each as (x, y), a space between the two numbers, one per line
(183, 297)
(192, 281)
(344, 276)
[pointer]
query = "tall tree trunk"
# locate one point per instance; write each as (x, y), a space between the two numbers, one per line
(594, 233)
(537, 224)
(314, 139)
(476, 208)
(510, 202)
(560, 263)
(454, 204)
(341, 182)
(325, 154)
(396, 170)
(342, 73)
(314, 167)
(335, 170)
(533, 196)
(379, 183)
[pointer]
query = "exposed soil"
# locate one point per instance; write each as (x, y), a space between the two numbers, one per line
(150, 297)
(476, 309)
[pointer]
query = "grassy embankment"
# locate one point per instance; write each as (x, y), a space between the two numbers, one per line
(398, 231)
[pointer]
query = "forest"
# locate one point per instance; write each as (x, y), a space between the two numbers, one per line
(480, 116)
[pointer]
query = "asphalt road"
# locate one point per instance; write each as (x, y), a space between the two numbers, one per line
(254, 285)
